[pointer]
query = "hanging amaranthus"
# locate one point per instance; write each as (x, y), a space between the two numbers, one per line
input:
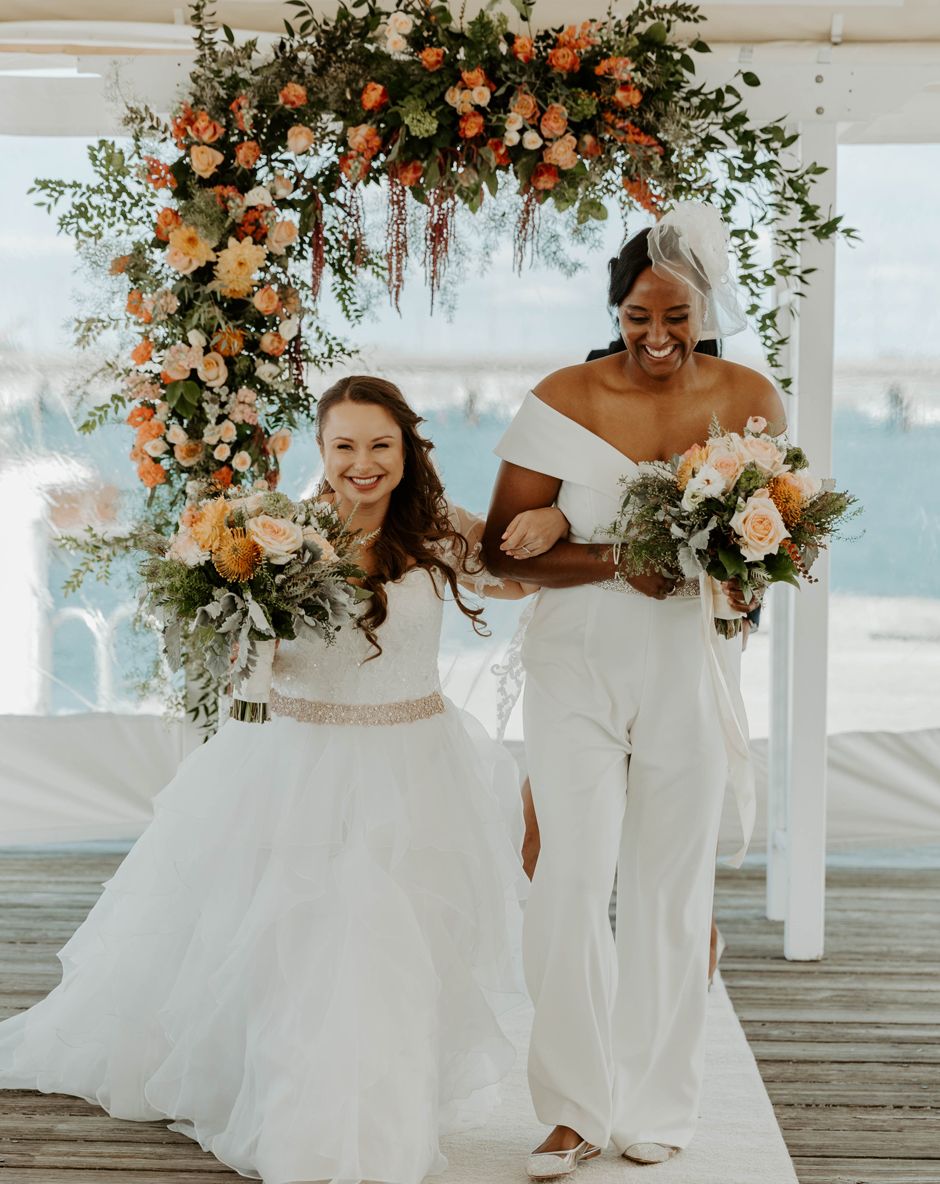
(438, 236)
(317, 246)
(527, 229)
(396, 237)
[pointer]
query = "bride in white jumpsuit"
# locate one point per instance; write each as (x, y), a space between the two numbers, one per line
(631, 714)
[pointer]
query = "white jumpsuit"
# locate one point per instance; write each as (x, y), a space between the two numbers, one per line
(627, 758)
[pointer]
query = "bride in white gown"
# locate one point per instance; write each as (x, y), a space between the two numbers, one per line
(302, 959)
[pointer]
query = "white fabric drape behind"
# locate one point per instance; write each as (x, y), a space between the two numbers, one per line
(71, 778)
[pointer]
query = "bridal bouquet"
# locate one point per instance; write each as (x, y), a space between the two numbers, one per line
(251, 569)
(739, 507)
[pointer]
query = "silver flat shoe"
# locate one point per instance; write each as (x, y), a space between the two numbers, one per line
(650, 1152)
(550, 1165)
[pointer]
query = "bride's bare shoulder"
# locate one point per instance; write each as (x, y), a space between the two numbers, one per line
(567, 388)
(748, 391)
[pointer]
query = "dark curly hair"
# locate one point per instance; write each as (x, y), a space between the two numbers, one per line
(417, 521)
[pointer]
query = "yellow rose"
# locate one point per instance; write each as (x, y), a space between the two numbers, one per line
(278, 538)
(204, 160)
(759, 527)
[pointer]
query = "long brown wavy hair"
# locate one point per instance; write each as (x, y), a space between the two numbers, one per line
(417, 521)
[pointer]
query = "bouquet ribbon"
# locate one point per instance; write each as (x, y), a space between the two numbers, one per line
(732, 714)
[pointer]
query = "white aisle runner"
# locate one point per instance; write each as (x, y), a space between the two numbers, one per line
(738, 1139)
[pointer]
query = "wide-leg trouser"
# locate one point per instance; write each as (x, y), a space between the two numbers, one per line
(627, 764)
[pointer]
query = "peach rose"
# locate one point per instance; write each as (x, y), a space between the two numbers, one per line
(167, 221)
(374, 96)
(759, 526)
(293, 95)
(723, 455)
(266, 301)
(204, 128)
(626, 95)
(562, 153)
(188, 453)
(756, 424)
(500, 154)
(532, 140)
(409, 174)
(185, 548)
(178, 360)
(764, 452)
(278, 538)
(204, 160)
(472, 78)
(470, 125)
(544, 176)
(212, 369)
(299, 139)
(589, 146)
(221, 452)
(281, 235)
(564, 59)
(227, 431)
(803, 484)
(280, 442)
(241, 461)
(143, 352)
(554, 121)
(176, 434)
(523, 49)
(400, 23)
(525, 105)
(272, 343)
(150, 473)
(282, 185)
(247, 154)
(394, 42)
(363, 138)
(432, 58)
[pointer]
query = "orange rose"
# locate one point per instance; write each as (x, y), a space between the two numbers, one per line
(563, 59)
(523, 49)
(272, 343)
(626, 95)
(293, 95)
(374, 96)
(167, 220)
(500, 152)
(432, 58)
(474, 78)
(247, 153)
(237, 107)
(223, 476)
(180, 124)
(158, 174)
(136, 307)
(204, 160)
(266, 301)
(353, 166)
(618, 68)
(409, 174)
(143, 352)
(589, 146)
(120, 264)
(229, 341)
(562, 152)
(363, 138)
(554, 122)
(204, 128)
(299, 139)
(525, 105)
(150, 473)
(139, 415)
(544, 176)
(470, 125)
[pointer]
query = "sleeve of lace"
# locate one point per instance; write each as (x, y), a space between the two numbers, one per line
(471, 571)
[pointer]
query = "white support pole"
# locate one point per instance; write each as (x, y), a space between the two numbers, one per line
(806, 812)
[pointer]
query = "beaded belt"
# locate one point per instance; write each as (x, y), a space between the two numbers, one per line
(369, 715)
(686, 590)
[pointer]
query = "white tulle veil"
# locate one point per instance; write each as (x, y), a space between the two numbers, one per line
(690, 243)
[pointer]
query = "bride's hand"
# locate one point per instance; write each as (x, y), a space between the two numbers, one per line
(533, 532)
(654, 584)
(732, 589)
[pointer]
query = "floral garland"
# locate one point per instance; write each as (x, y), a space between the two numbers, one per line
(236, 208)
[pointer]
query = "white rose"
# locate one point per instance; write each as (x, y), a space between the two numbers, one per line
(531, 140)
(176, 434)
(808, 485)
(452, 96)
(464, 102)
(156, 447)
(199, 340)
(288, 328)
(514, 121)
(267, 371)
(400, 22)
(481, 96)
(259, 196)
(277, 537)
(185, 548)
(222, 452)
(228, 431)
(511, 139)
(395, 43)
(241, 461)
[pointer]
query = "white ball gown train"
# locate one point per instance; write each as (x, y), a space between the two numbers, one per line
(301, 960)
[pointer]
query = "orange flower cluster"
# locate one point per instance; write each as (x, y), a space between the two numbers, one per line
(205, 129)
(408, 174)
(641, 193)
(158, 174)
(471, 125)
(627, 95)
(374, 96)
(142, 352)
(432, 58)
(167, 221)
(223, 476)
(229, 341)
(149, 471)
(136, 306)
(523, 49)
(619, 68)
(500, 152)
(544, 176)
(247, 154)
(253, 225)
(139, 414)
(787, 498)
(237, 107)
(579, 37)
(628, 133)
(364, 142)
(293, 95)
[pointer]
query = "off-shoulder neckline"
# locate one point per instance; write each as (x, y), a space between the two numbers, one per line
(587, 431)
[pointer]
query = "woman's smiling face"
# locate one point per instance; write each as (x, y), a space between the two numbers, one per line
(363, 453)
(660, 321)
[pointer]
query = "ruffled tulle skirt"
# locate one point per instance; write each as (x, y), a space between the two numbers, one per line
(302, 960)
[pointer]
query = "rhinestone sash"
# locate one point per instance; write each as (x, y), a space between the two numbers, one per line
(368, 715)
(687, 590)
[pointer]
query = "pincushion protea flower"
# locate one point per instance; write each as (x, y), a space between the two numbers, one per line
(237, 555)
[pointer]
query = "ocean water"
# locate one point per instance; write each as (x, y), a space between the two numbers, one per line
(892, 550)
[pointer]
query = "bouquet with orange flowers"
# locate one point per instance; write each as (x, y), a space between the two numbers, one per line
(741, 507)
(250, 569)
